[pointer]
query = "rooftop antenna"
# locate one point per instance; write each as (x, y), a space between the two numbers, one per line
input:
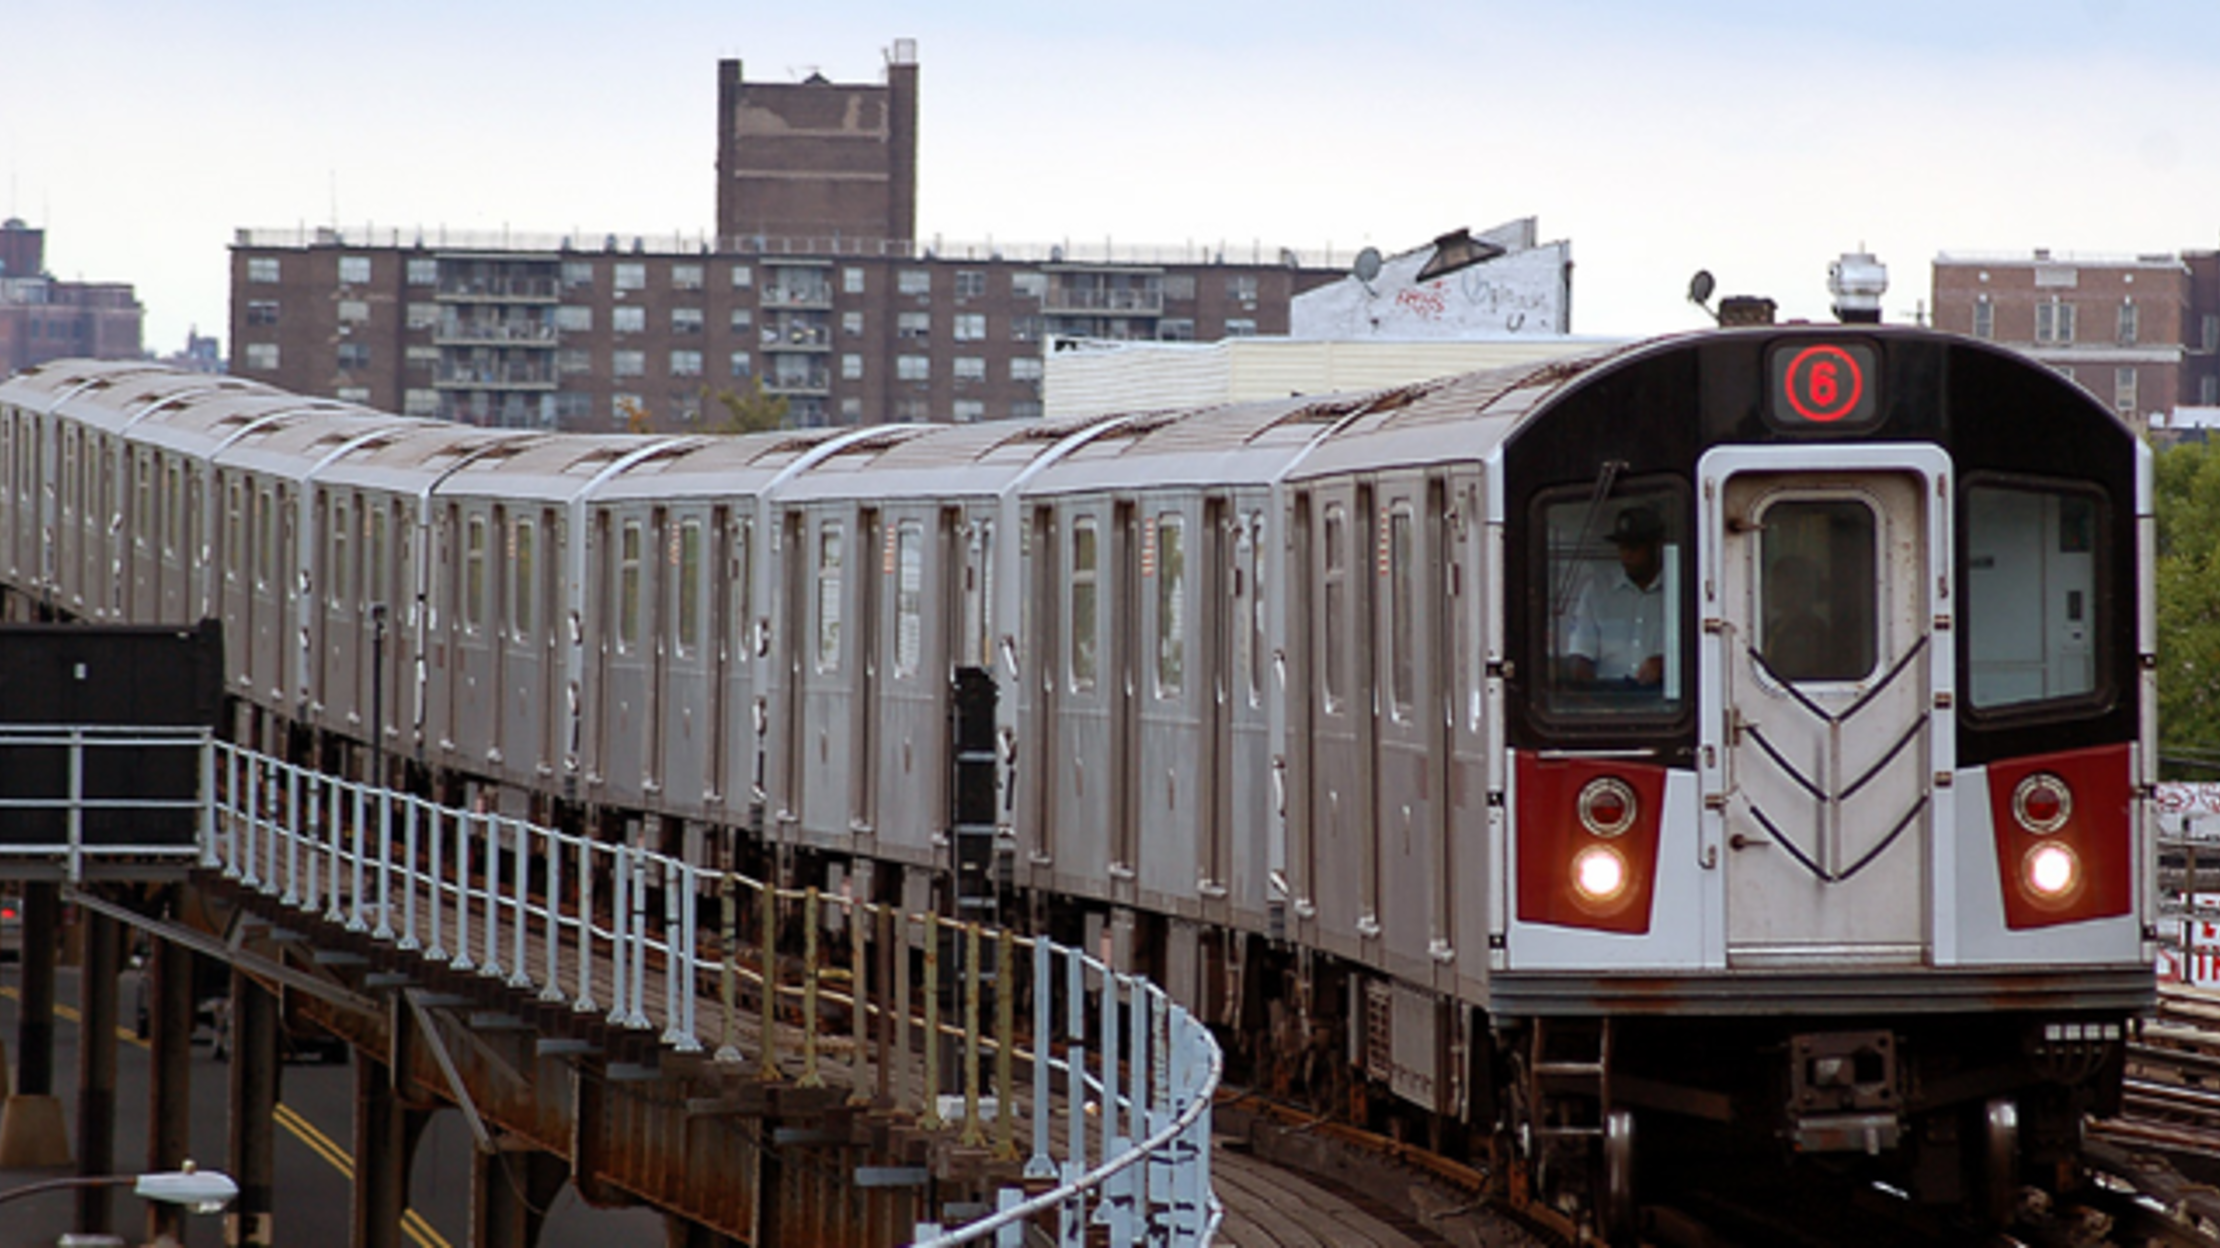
(1699, 292)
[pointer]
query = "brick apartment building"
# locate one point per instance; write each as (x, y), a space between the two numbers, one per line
(44, 319)
(2139, 332)
(814, 285)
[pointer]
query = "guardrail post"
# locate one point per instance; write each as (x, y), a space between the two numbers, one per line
(858, 979)
(438, 862)
(1107, 1205)
(384, 929)
(519, 976)
(901, 1058)
(208, 803)
(810, 1077)
(1005, 1046)
(584, 1001)
(971, 1136)
(292, 895)
(76, 816)
(1137, 1098)
(638, 1015)
(336, 820)
(409, 875)
(930, 1119)
(551, 991)
(1039, 1165)
(728, 1048)
(767, 956)
(490, 824)
(463, 961)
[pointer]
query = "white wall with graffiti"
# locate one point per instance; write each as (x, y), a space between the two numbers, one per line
(2189, 843)
(1524, 292)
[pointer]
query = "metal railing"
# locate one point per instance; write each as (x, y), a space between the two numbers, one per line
(566, 915)
(74, 790)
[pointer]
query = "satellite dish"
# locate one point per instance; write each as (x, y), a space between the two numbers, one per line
(1700, 287)
(1367, 266)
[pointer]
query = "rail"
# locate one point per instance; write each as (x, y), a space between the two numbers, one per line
(125, 799)
(566, 916)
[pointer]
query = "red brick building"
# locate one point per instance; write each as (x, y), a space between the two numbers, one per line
(44, 319)
(813, 285)
(2120, 325)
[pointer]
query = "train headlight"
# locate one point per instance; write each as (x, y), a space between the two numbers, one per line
(2051, 871)
(1599, 873)
(1607, 806)
(2042, 803)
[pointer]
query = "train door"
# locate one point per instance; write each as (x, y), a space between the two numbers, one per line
(660, 576)
(682, 678)
(1049, 582)
(799, 645)
(1214, 685)
(862, 707)
(520, 714)
(1123, 780)
(1828, 712)
(723, 655)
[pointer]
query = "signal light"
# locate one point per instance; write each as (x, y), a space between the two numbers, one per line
(2052, 872)
(2042, 803)
(2064, 833)
(1607, 806)
(1587, 835)
(1598, 873)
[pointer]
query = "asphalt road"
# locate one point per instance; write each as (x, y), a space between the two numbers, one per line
(314, 1168)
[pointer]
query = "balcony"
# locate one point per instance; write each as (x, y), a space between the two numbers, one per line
(788, 335)
(792, 380)
(461, 332)
(511, 288)
(514, 375)
(1083, 301)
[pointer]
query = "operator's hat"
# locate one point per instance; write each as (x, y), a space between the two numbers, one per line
(1638, 526)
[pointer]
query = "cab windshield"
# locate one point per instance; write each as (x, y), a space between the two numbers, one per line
(1612, 573)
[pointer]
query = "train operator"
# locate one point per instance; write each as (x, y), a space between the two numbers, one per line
(1616, 633)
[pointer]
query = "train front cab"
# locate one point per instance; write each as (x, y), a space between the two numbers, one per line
(1860, 865)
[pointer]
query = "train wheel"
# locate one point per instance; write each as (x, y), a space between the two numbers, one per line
(2000, 1161)
(1617, 1208)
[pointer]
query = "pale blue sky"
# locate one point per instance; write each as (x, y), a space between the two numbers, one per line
(1751, 137)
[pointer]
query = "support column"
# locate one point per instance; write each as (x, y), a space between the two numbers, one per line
(31, 1132)
(511, 1189)
(254, 1100)
(381, 1157)
(170, 1095)
(96, 1069)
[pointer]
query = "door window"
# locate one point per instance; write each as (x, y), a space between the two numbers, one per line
(1817, 618)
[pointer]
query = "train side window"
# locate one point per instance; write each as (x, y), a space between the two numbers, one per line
(235, 526)
(2033, 556)
(265, 538)
(142, 506)
(1085, 554)
(830, 555)
(689, 586)
(522, 589)
(1612, 588)
(628, 587)
(1402, 605)
(1336, 594)
(173, 499)
(743, 572)
(909, 597)
(1818, 619)
(474, 574)
(1171, 605)
(376, 592)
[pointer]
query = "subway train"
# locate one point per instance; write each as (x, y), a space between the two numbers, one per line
(1736, 745)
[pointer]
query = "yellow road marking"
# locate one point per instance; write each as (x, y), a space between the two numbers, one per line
(413, 1224)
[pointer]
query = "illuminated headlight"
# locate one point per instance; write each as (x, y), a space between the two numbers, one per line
(2051, 871)
(1607, 806)
(2042, 803)
(1598, 873)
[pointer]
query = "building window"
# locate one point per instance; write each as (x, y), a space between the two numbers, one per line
(851, 280)
(574, 318)
(914, 325)
(914, 282)
(1240, 327)
(630, 277)
(262, 268)
(971, 327)
(2123, 391)
(262, 312)
(1025, 368)
(906, 367)
(851, 324)
(851, 409)
(354, 355)
(621, 408)
(912, 411)
(968, 411)
(1028, 328)
(2211, 331)
(969, 368)
(1241, 286)
(2127, 323)
(353, 311)
(423, 271)
(970, 283)
(422, 315)
(571, 361)
(2054, 322)
(578, 274)
(1179, 286)
(742, 366)
(851, 367)
(1025, 409)
(686, 320)
(1984, 318)
(354, 270)
(1028, 285)
(628, 320)
(742, 277)
(685, 363)
(262, 355)
(742, 320)
(2208, 390)
(627, 363)
(1175, 329)
(686, 277)
(420, 403)
(421, 357)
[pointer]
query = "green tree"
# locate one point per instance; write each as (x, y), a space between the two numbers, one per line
(749, 410)
(2188, 580)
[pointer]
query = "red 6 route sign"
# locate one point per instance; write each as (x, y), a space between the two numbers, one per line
(1829, 384)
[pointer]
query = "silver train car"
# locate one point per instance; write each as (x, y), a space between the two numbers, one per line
(1734, 745)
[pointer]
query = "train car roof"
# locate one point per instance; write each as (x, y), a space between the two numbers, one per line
(944, 461)
(1234, 444)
